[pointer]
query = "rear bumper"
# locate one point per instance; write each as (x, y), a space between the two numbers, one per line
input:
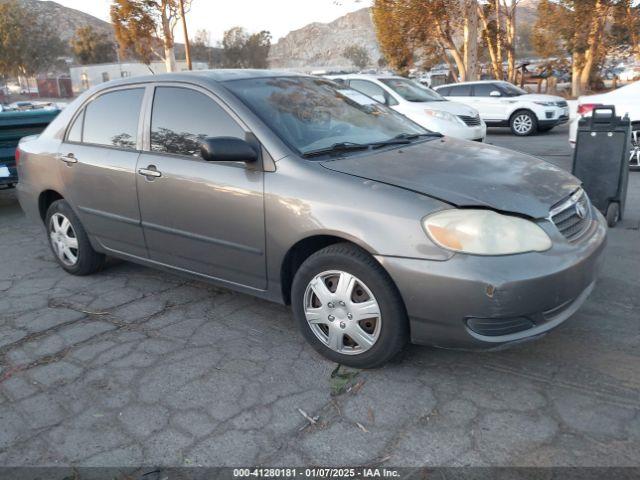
(475, 302)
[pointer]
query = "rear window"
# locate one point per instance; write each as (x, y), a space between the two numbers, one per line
(460, 91)
(484, 89)
(444, 91)
(112, 119)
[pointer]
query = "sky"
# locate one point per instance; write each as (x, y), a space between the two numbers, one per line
(216, 16)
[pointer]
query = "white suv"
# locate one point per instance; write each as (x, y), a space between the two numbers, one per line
(419, 103)
(502, 104)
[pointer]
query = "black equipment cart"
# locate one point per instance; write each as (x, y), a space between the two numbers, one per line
(601, 160)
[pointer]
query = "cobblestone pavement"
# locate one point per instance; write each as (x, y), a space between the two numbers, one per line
(134, 366)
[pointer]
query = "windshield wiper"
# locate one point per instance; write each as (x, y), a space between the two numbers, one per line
(404, 138)
(336, 148)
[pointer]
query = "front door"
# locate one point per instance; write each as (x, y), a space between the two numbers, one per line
(203, 217)
(491, 108)
(97, 164)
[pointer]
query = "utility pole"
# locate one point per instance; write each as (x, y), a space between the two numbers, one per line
(187, 48)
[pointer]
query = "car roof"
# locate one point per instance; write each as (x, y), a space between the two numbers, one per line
(476, 82)
(203, 76)
(364, 76)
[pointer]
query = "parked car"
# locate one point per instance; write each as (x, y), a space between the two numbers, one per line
(502, 104)
(13, 126)
(421, 104)
(300, 191)
(626, 101)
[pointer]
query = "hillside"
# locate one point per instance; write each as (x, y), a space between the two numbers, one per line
(65, 20)
(320, 45)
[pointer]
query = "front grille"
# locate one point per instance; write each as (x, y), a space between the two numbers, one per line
(573, 216)
(470, 121)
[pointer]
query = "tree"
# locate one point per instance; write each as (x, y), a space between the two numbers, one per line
(392, 29)
(28, 45)
(241, 50)
(90, 46)
(498, 20)
(201, 47)
(405, 27)
(140, 25)
(576, 27)
(357, 55)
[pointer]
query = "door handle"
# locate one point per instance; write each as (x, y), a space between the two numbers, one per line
(69, 158)
(150, 171)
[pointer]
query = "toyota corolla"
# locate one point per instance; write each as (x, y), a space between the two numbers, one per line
(305, 192)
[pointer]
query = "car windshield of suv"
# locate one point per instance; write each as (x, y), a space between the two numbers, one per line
(511, 90)
(412, 91)
(311, 114)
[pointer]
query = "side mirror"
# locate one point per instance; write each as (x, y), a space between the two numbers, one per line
(495, 93)
(227, 149)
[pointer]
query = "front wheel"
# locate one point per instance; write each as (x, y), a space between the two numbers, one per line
(348, 307)
(523, 123)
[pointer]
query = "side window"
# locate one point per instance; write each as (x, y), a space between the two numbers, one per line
(368, 88)
(484, 89)
(75, 132)
(460, 91)
(112, 119)
(182, 118)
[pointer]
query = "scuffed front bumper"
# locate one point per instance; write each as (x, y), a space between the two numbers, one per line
(477, 302)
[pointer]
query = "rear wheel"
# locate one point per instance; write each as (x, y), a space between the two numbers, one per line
(348, 308)
(613, 214)
(523, 123)
(69, 241)
(634, 154)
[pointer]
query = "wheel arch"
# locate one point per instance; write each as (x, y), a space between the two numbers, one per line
(45, 199)
(303, 249)
(522, 110)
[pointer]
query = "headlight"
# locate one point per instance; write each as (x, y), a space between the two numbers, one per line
(546, 104)
(446, 116)
(485, 232)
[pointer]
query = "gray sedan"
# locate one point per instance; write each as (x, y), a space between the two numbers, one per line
(305, 192)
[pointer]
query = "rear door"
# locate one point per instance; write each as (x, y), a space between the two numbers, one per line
(97, 163)
(204, 217)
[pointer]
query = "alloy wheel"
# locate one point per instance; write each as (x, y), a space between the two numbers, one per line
(342, 312)
(522, 124)
(63, 239)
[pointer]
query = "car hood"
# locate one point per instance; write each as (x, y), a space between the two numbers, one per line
(451, 107)
(539, 97)
(466, 174)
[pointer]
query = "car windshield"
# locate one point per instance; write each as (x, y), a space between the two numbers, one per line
(511, 90)
(412, 91)
(311, 114)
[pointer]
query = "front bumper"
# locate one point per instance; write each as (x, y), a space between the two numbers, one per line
(478, 302)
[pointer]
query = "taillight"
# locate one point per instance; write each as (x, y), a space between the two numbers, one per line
(18, 153)
(586, 108)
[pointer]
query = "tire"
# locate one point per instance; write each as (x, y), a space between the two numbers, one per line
(522, 119)
(79, 258)
(613, 214)
(386, 328)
